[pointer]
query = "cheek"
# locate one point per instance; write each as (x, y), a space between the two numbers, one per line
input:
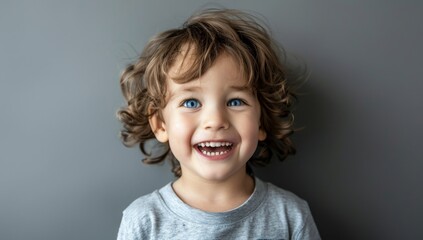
(249, 132)
(180, 132)
(250, 123)
(180, 125)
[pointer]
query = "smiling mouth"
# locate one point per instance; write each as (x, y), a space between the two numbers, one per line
(214, 148)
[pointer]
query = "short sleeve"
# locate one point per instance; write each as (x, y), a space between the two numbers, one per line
(129, 229)
(309, 230)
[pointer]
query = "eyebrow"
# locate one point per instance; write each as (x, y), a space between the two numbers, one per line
(190, 89)
(241, 88)
(195, 89)
(186, 89)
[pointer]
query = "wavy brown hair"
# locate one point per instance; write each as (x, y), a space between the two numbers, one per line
(208, 34)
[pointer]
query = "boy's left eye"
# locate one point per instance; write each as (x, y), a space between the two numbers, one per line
(235, 102)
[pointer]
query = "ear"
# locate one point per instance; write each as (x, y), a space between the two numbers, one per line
(158, 127)
(262, 134)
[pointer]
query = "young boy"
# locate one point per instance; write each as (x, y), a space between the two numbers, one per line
(214, 94)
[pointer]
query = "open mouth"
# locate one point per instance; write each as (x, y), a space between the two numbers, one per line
(214, 148)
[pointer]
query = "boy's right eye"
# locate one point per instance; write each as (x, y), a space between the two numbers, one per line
(191, 103)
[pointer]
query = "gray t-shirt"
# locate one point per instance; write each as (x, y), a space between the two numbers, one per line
(269, 213)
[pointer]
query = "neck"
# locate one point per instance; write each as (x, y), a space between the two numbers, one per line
(214, 196)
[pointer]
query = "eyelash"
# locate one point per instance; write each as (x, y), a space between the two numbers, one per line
(185, 102)
(197, 103)
(241, 102)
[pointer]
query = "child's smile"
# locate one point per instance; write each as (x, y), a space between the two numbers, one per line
(212, 123)
(214, 148)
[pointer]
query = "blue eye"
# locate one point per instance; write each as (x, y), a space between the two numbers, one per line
(191, 103)
(235, 102)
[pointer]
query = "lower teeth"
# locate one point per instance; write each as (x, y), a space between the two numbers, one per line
(213, 153)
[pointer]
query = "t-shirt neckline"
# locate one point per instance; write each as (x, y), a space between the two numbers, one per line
(175, 205)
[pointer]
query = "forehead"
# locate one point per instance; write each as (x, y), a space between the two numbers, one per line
(225, 70)
(189, 65)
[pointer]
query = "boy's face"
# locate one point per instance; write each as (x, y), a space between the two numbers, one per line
(212, 123)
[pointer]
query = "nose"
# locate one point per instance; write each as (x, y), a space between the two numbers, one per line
(215, 118)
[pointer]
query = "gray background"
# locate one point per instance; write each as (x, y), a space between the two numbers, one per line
(65, 175)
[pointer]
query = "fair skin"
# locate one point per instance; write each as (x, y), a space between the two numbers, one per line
(212, 125)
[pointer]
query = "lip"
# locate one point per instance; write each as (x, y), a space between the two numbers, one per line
(222, 155)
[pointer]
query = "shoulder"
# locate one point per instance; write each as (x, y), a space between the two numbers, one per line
(142, 206)
(137, 217)
(292, 210)
(286, 199)
(293, 207)
(148, 208)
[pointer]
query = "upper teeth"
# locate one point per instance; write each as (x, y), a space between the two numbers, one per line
(214, 144)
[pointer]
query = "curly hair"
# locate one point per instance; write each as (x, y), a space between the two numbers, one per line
(208, 34)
